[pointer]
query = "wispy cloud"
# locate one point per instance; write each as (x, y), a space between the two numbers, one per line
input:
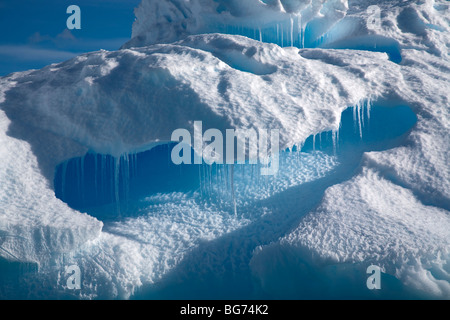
(32, 53)
(35, 56)
(59, 39)
(107, 44)
(36, 50)
(68, 42)
(65, 35)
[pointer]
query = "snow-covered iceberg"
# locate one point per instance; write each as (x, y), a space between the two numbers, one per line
(296, 66)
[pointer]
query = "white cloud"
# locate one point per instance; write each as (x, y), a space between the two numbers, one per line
(62, 37)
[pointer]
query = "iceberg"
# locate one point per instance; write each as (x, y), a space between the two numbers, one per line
(359, 95)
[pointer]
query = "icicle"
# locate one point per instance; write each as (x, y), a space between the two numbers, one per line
(210, 180)
(103, 175)
(226, 178)
(260, 35)
(282, 36)
(303, 35)
(133, 165)
(136, 164)
(232, 190)
(126, 174)
(116, 178)
(102, 187)
(123, 174)
(206, 179)
(111, 179)
(204, 183)
(333, 136)
(362, 113)
(203, 180)
(292, 31)
(131, 169)
(214, 180)
(314, 142)
(200, 181)
(359, 119)
(278, 33)
(218, 176)
(320, 140)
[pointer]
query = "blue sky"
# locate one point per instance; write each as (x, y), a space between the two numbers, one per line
(33, 33)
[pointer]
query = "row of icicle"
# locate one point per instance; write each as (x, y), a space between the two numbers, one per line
(210, 176)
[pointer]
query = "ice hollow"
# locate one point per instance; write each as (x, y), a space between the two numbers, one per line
(94, 180)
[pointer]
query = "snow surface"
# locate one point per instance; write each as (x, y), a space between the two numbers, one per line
(179, 67)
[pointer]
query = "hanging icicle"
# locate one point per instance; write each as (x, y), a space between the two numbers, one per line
(232, 190)
(359, 120)
(116, 185)
(320, 140)
(292, 30)
(278, 33)
(334, 138)
(303, 35)
(368, 108)
(314, 142)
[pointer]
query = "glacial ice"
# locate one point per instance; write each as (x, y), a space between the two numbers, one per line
(298, 66)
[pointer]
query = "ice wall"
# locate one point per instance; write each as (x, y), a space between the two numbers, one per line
(281, 22)
(386, 26)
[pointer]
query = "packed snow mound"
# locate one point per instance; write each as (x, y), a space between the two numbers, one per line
(34, 225)
(395, 231)
(132, 99)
